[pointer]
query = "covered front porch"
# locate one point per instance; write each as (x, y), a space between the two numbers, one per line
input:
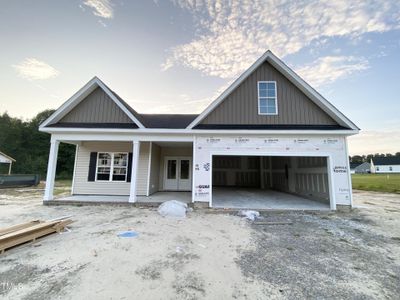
(121, 171)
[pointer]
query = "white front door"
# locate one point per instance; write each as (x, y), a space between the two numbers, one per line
(178, 173)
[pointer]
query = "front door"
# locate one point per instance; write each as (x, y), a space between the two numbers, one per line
(178, 173)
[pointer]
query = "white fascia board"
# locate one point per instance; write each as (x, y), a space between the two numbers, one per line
(146, 131)
(324, 104)
(79, 137)
(66, 106)
(7, 157)
(319, 100)
(229, 90)
(81, 95)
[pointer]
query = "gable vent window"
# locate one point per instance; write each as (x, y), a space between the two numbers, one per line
(267, 98)
(111, 166)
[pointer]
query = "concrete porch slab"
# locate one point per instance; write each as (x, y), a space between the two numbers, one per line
(153, 199)
(250, 198)
(95, 198)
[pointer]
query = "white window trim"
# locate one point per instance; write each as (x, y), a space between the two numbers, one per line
(258, 98)
(112, 166)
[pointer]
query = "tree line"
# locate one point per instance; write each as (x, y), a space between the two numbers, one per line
(367, 158)
(22, 140)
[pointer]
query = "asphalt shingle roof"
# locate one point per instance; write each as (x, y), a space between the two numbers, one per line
(384, 161)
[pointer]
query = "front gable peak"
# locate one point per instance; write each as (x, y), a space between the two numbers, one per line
(284, 100)
(94, 105)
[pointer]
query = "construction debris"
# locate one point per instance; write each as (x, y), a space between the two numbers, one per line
(173, 208)
(128, 234)
(30, 231)
(251, 215)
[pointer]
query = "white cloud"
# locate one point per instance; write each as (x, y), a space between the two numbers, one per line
(33, 69)
(230, 37)
(328, 69)
(101, 8)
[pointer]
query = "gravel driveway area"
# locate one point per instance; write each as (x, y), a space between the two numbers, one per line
(207, 255)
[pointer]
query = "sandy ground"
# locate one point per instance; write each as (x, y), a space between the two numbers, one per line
(342, 255)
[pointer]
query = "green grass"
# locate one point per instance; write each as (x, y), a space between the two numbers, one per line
(377, 182)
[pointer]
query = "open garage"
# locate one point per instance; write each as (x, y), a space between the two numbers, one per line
(270, 182)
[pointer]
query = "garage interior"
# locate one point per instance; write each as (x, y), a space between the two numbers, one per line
(270, 182)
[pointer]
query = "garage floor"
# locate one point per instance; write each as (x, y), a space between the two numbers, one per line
(230, 197)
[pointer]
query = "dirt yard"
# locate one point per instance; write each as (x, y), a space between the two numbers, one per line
(342, 255)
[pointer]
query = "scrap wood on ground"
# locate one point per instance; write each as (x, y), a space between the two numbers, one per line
(30, 231)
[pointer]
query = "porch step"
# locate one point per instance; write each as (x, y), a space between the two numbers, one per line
(82, 203)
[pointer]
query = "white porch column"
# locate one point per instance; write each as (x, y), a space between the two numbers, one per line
(51, 170)
(135, 164)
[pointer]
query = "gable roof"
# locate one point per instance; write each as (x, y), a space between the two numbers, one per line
(358, 165)
(384, 161)
(354, 165)
(82, 94)
(7, 157)
(317, 98)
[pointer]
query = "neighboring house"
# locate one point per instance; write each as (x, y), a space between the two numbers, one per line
(389, 164)
(353, 167)
(360, 168)
(5, 159)
(268, 131)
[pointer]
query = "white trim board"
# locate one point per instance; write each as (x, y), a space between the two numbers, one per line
(80, 96)
(147, 131)
(317, 98)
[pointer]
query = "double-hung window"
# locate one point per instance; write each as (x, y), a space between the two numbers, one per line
(111, 166)
(267, 98)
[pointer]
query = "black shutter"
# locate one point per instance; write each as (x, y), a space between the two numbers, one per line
(129, 173)
(92, 166)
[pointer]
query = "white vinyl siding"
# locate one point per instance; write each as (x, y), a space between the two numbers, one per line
(143, 168)
(84, 187)
(155, 169)
(386, 169)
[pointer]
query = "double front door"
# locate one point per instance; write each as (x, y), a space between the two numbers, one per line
(178, 173)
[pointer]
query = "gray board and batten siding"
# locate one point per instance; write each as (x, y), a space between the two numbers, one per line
(241, 106)
(97, 107)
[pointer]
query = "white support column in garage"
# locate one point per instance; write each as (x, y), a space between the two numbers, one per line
(51, 170)
(135, 164)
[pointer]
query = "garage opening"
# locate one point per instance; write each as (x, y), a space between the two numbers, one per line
(270, 182)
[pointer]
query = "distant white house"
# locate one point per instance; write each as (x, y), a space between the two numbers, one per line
(5, 159)
(389, 164)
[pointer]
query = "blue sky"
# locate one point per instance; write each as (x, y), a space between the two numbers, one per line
(177, 56)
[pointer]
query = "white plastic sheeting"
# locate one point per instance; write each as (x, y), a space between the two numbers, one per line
(173, 208)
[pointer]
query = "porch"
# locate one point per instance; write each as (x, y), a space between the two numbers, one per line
(125, 172)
